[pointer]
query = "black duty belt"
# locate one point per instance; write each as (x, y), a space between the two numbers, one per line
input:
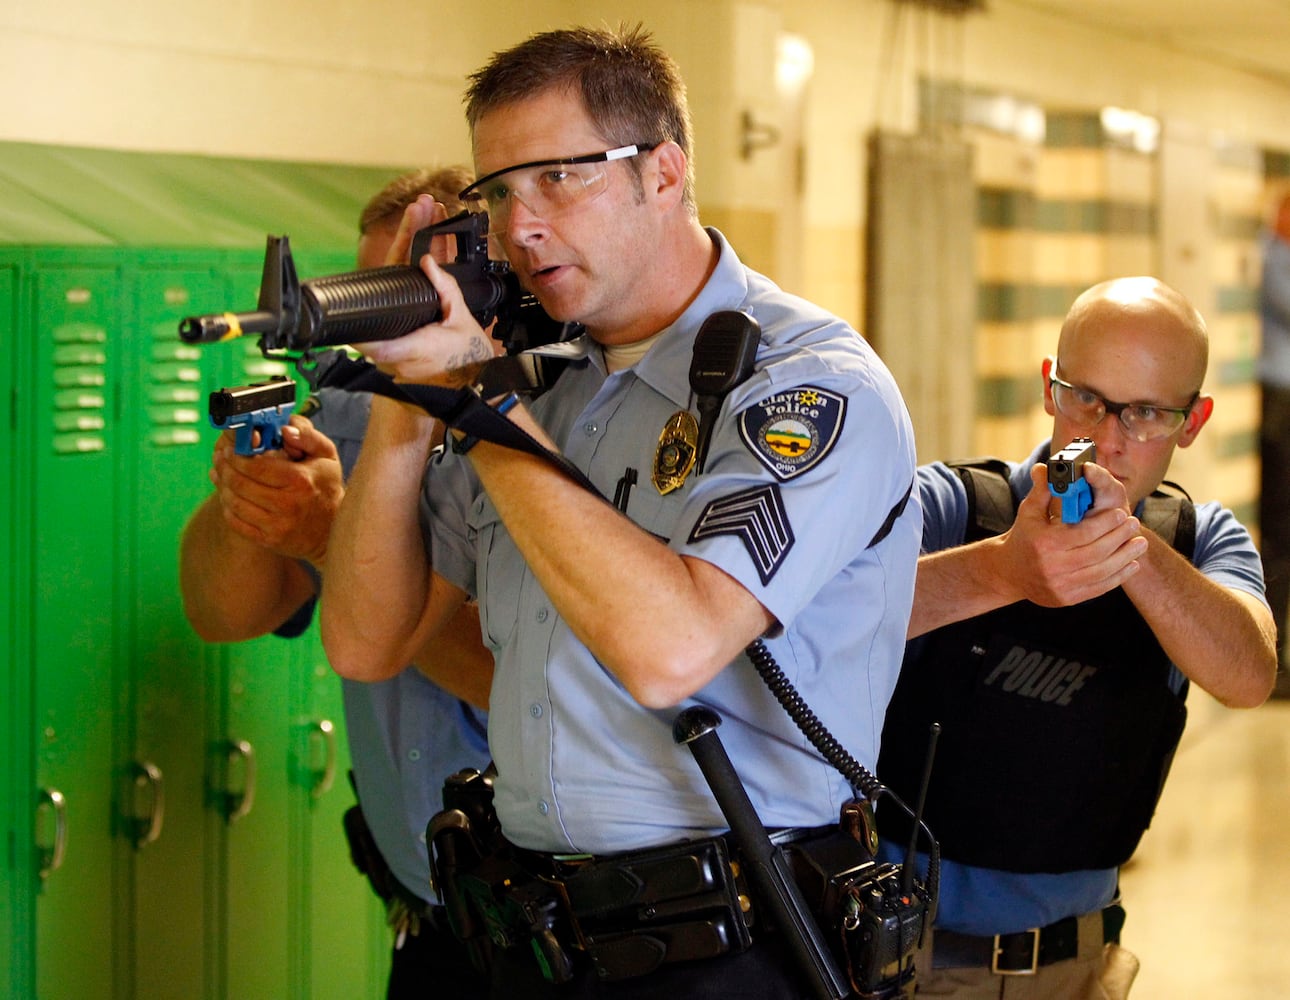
(1022, 953)
(630, 913)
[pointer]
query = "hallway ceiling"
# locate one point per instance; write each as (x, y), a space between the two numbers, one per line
(1248, 35)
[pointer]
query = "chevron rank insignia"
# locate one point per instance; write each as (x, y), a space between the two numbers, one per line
(758, 519)
(791, 432)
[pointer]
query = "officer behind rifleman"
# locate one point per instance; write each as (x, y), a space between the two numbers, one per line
(1057, 656)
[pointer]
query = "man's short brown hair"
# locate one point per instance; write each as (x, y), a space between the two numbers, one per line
(632, 89)
(387, 205)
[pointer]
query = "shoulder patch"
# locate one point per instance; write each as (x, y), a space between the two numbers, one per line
(791, 432)
(758, 519)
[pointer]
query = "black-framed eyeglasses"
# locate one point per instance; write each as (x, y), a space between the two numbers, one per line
(1141, 421)
(546, 188)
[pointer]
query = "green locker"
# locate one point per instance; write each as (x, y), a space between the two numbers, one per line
(75, 448)
(248, 748)
(330, 884)
(16, 899)
(254, 753)
(162, 816)
(254, 757)
(300, 768)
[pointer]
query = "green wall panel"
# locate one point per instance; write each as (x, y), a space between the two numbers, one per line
(86, 196)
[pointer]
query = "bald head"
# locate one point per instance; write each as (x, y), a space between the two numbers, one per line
(1132, 341)
(1146, 315)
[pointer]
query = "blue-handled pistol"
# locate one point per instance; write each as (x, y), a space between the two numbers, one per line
(265, 407)
(1066, 478)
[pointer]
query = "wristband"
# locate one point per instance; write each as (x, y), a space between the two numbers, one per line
(508, 402)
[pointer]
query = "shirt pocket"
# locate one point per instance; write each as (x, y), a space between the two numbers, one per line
(654, 512)
(500, 573)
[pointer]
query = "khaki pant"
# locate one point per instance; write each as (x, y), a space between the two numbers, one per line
(1098, 972)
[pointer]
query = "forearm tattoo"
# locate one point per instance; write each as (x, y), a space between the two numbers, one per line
(464, 368)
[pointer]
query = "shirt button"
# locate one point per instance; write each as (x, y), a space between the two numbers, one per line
(541, 614)
(535, 710)
(543, 808)
(590, 428)
(414, 754)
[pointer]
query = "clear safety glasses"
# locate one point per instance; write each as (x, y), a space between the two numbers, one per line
(1141, 421)
(547, 188)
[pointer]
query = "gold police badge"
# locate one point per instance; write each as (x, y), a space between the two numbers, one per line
(674, 456)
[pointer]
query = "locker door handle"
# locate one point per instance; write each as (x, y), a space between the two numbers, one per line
(144, 831)
(327, 730)
(51, 858)
(239, 805)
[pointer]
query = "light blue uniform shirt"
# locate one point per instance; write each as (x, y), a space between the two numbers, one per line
(582, 766)
(984, 901)
(405, 734)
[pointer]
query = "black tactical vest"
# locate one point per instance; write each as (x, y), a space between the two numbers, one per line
(1057, 724)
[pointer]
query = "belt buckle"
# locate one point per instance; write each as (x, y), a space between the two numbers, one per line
(1023, 970)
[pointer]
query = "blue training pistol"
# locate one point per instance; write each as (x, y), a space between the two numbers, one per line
(264, 406)
(1066, 478)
